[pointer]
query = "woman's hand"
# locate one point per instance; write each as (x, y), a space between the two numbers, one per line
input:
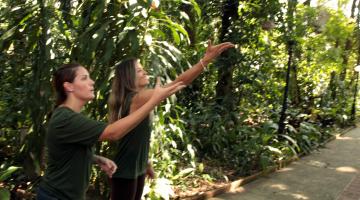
(150, 172)
(160, 93)
(107, 165)
(214, 51)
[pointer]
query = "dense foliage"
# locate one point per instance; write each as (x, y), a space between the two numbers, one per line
(289, 81)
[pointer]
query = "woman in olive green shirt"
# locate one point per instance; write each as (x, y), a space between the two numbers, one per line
(129, 94)
(71, 135)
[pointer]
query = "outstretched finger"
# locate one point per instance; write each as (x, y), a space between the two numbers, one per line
(171, 88)
(209, 46)
(180, 87)
(209, 43)
(158, 82)
(180, 83)
(227, 46)
(176, 87)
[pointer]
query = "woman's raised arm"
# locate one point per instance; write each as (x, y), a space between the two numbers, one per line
(122, 126)
(212, 52)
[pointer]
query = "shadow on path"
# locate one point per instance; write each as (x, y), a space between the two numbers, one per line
(331, 173)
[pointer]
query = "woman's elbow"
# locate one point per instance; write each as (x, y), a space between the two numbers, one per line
(110, 135)
(107, 135)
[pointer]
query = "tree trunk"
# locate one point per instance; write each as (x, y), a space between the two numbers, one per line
(294, 83)
(225, 71)
(356, 73)
(295, 93)
(286, 89)
(345, 57)
(348, 46)
(290, 46)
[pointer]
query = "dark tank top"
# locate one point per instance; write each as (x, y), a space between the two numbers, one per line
(133, 149)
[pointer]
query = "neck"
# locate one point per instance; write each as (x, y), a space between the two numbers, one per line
(139, 88)
(73, 105)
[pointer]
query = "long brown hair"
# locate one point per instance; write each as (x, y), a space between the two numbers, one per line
(123, 85)
(66, 73)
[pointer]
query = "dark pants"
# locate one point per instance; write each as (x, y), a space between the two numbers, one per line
(41, 194)
(127, 189)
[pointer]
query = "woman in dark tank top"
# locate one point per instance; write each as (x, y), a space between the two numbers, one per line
(129, 93)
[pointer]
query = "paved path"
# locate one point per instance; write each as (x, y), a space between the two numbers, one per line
(332, 173)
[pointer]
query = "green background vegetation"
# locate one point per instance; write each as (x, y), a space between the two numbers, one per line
(280, 93)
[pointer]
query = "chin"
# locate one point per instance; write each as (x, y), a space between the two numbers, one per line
(143, 85)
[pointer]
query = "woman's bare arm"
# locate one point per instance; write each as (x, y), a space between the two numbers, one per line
(122, 126)
(186, 77)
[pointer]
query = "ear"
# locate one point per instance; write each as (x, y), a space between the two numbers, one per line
(68, 87)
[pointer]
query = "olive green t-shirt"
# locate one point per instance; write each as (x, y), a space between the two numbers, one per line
(69, 141)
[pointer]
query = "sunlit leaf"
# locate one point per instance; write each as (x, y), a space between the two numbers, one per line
(8, 172)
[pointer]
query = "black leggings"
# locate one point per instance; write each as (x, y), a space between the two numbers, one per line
(127, 189)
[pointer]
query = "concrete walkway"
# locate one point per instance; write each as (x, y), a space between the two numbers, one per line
(332, 173)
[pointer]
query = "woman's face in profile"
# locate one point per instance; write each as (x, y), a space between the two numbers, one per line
(83, 86)
(141, 79)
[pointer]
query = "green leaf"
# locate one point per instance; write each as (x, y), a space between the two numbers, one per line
(275, 150)
(109, 50)
(122, 35)
(186, 171)
(98, 36)
(196, 7)
(8, 34)
(7, 173)
(174, 26)
(292, 140)
(4, 194)
(176, 36)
